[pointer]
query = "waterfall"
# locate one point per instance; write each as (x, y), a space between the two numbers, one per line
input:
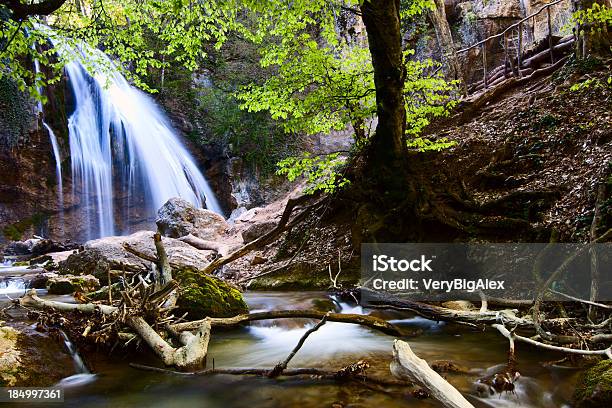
(123, 150)
(54, 145)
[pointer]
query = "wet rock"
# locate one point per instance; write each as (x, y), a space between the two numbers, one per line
(178, 217)
(36, 247)
(594, 387)
(39, 281)
(100, 256)
(63, 285)
(257, 230)
(206, 296)
(29, 358)
(302, 276)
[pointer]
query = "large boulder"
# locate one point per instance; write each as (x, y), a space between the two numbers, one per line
(100, 256)
(63, 285)
(252, 232)
(206, 296)
(594, 388)
(31, 359)
(178, 217)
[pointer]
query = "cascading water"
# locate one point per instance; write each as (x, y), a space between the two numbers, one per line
(124, 152)
(55, 147)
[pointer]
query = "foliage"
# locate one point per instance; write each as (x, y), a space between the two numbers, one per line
(597, 16)
(323, 173)
(319, 81)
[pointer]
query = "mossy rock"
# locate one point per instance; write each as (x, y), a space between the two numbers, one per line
(31, 359)
(594, 388)
(303, 276)
(206, 296)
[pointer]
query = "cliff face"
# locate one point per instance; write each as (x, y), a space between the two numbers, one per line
(28, 184)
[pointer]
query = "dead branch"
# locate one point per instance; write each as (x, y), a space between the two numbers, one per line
(280, 367)
(265, 239)
(439, 313)
(575, 299)
(343, 375)
(515, 337)
(190, 355)
(364, 320)
(406, 365)
(553, 276)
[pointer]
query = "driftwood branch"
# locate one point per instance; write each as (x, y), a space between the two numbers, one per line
(280, 367)
(407, 366)
(283, 225)
(515, 337)
(364, 320)
(439, 313)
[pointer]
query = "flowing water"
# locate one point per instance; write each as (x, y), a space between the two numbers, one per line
(126, 159)
(333, 346)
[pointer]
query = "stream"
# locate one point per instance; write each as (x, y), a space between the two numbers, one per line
(112, 382)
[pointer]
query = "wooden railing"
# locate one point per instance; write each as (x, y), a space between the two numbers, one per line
(508, 59)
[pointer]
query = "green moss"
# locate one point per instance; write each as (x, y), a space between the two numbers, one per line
(14, 232)
(594, 387)
(206, 296)
(14, 114)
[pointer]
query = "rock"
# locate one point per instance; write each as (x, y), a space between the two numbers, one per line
(39, 281)
(51, 260)
(236, 214)
(594, 387)
(36, 247)
(458, 305)
(303, 276)
(206, 296)
(100, 256)
(447, 366)
(258, 260)
(31, 359)
(178, 217)
(257, 230)
(63, 285)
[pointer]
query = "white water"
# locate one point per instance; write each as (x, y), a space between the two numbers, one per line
(123, 150)
(12, 286)
(58, 167)
(54, 145)
(83, 375)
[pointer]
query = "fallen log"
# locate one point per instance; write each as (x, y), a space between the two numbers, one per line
(363, 320)
(439, 313)
(30, 299)
(407, 366)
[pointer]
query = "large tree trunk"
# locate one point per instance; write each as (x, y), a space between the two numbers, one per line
(591, 40)
(387, 150)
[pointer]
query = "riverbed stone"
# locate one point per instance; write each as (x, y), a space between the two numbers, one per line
(178, 217)
(63, 285)
(31, 359)
(207, 296)
(594, 387)
(100, 256)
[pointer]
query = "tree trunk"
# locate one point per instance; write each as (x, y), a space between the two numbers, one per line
(387, 150)
(591, 39)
